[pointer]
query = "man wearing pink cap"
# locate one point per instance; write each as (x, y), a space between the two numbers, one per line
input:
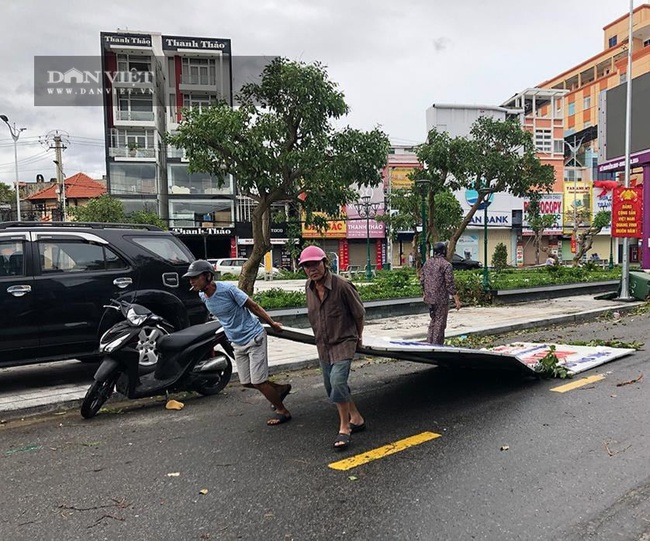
(336, 315)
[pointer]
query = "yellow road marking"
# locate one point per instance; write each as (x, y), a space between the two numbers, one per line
(380, 452)
(576, 384)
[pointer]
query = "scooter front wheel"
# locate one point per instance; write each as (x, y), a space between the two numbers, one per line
(97, 395)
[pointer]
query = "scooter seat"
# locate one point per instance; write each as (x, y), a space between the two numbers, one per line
(186, 337)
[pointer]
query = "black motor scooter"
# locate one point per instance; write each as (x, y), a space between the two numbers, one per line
(198, 358)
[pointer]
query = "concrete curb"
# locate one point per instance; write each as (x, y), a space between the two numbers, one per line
(587, 315)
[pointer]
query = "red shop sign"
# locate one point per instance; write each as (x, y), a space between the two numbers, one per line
(627, 206)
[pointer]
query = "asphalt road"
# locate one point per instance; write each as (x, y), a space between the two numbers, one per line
(513, 460)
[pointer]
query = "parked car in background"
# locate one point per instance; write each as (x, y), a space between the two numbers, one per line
(459, 262)
(56, 278)
(233, 265)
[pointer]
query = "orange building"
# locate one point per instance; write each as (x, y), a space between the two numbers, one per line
(581, 86)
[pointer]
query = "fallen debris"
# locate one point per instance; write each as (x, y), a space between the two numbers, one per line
(630, 382)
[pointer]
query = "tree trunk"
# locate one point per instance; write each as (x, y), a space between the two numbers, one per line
(261, 244)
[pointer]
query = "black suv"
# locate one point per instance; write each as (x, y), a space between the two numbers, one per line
(55, 279)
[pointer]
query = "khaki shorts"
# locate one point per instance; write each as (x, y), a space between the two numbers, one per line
(252, 360)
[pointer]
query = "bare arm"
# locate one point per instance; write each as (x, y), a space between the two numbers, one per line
(262, 314)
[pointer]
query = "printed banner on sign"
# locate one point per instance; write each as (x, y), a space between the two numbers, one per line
(627, 206)
(336, 229)
(549, 204)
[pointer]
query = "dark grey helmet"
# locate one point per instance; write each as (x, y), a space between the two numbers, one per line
(198, 267)
(440, 248)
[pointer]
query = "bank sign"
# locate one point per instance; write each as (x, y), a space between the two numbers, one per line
(499, 208)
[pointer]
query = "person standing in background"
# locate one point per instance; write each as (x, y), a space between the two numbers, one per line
(437, 280)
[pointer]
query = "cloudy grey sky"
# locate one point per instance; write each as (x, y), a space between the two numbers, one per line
(391, 59)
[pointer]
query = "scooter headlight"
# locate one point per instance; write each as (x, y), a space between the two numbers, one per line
(134, 318)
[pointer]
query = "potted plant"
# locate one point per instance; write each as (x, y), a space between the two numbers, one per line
(133, 149)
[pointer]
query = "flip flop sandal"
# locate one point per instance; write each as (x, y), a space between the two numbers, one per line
(342, 441)
(357, 428)
(279, 419)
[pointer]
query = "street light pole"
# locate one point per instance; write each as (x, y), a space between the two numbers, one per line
(486, 276)
(367, 210)
(15, 134)
(625, 267)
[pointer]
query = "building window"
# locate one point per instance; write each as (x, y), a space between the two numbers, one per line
(135, 107)
(622, 78)
(543, 140)
(193, 212)
(199, 71)
(132, 178)
(198, 101)
(646, 42)
(132, 143)
(613, 41)
(127, 62)
(572, 108)
(586, 105)
(558, 146)
(182, 182)
(133, 68)
(572, 174)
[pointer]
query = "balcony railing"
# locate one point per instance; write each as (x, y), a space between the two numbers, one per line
(125, 152)
(138, 116)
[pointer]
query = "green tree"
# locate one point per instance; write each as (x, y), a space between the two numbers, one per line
(281, 146)
(537, 222)
(498, 156)
(406, 206)
(7, 194)
(102, 209)
(500, 257)
(146, 216)
(585, 235)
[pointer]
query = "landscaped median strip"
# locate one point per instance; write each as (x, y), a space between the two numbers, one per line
(577, 384)
(381, 452)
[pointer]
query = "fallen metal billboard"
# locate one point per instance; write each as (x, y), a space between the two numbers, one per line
(518, 357)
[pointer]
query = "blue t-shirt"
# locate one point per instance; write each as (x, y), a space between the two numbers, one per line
(227, 305)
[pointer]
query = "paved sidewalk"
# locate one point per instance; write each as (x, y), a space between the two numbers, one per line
(286, 355)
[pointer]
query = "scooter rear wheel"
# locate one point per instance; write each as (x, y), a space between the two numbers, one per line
(97, 395)
(216, 382)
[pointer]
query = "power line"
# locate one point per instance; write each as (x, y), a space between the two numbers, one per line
(28, 160)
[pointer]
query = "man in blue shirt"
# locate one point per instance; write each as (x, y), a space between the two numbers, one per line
(235, 311)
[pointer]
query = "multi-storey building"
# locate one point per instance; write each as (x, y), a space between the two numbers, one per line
(583, 85)
(149, 78)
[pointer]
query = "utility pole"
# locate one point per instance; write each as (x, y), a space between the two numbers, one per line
(58, 140)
